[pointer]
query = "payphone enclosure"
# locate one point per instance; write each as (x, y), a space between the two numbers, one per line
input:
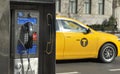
(28, 37)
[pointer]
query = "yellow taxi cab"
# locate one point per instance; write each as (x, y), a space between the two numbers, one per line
(74, 40)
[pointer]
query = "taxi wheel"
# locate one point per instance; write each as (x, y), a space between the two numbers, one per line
(107, 53)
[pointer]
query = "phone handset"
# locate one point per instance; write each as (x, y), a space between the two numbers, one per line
(26, 35)
(26, 42)
(49, 47)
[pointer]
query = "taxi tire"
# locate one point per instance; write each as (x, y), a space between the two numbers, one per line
(103, 51)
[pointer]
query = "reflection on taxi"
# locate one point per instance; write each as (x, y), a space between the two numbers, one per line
(75, 40)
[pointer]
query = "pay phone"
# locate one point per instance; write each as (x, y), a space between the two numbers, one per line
(26, 26)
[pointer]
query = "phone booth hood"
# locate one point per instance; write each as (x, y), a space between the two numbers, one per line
(37, 1)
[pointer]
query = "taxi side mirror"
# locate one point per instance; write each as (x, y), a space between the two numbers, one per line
(87, 31)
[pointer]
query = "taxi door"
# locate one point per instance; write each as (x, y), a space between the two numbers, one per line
(77, 43)
(59, 42)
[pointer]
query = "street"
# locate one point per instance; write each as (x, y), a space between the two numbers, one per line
(88, 66)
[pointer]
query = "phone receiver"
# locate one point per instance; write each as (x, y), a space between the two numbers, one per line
(26, 35)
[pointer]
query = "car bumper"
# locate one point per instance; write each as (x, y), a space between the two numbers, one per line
(118, 47)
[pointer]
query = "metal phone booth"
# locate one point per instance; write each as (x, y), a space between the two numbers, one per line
(27, 37)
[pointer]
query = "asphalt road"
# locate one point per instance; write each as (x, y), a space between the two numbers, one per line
(87, 66)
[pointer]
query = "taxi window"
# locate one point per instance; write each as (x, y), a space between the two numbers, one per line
(72, 26)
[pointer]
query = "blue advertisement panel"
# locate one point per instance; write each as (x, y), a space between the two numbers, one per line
(22, 21)
(21, 49)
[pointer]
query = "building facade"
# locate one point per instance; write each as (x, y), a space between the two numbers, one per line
(88, 11)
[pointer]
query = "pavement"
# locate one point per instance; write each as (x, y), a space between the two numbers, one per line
(88, 66)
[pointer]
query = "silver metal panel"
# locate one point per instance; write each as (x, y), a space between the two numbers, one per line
(33, 66)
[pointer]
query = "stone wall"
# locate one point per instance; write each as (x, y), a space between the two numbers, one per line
(93, 18)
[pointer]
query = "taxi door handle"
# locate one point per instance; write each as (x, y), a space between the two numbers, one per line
(68, 37)
(77, 39)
